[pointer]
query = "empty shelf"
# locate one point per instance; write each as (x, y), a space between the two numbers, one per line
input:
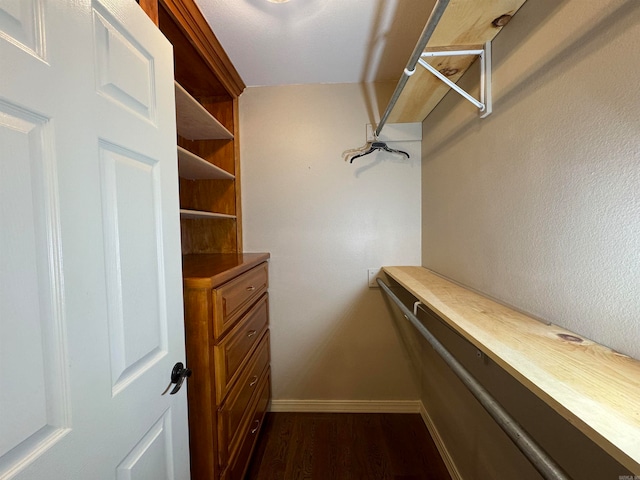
(194, 122)
(593, 387)
(202, 214)
(194, 167)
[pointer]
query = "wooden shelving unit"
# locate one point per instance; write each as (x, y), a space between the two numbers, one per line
(596, 389)
(204, 186)
(207, 88)
(226, 408)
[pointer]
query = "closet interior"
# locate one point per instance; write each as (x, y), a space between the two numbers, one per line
(226, 291)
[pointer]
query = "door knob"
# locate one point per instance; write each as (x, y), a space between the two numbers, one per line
(178, 375)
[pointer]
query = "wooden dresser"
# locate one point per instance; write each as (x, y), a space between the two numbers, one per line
(227, 339)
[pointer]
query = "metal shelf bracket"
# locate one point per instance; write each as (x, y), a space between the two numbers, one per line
(484, 104)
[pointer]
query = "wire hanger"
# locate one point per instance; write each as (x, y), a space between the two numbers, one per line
(371, 147)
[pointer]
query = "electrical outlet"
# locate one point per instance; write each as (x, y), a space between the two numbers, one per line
(373, 274)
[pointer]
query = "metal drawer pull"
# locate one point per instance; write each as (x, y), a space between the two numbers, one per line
(251, 288)
(254, 430)
(251, 333)
(254, 380)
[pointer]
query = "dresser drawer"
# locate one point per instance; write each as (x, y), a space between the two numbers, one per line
(240, 460)
(233, 297)
(236, 408)
(232, 352)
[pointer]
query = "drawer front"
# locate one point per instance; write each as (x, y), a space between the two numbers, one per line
(239, 462)
(236, 407)
(232, 298)
(232, 352)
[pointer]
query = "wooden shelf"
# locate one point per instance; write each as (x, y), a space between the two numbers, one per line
(207, 87)
(593, 387)
(193, 167)
(212, 270)
(194, 122)
(465, 24)
(199, 214)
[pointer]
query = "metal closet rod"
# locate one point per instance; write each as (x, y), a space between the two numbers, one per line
(546, 466)
(410, 69)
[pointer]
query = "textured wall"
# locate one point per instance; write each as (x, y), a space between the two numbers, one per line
(325, 222)
(539, 204)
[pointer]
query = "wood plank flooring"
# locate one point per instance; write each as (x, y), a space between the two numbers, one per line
(340, 446)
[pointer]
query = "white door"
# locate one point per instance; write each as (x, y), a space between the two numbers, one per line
(91, 320)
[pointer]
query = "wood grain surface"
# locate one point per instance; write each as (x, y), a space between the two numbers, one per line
(345, 446)
(465, 24)
(592, 386)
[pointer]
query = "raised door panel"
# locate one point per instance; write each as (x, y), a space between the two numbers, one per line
(135, 280)
(21, 23)
(32, 344)
(152, 457)
(124, 68)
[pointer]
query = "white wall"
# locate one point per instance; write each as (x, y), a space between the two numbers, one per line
(325, 222)
(539, 204)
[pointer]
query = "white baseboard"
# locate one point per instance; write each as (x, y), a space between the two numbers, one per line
(442, 449)
(347, 406)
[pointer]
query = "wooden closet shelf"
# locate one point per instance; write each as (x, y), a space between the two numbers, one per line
(193, 167)
(194, 122)
(593, 387)
(464, 24)
(184, 213)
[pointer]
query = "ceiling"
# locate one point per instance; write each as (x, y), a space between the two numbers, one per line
(317, 41)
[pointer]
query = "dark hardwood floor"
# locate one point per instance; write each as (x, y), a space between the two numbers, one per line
(340, 446)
